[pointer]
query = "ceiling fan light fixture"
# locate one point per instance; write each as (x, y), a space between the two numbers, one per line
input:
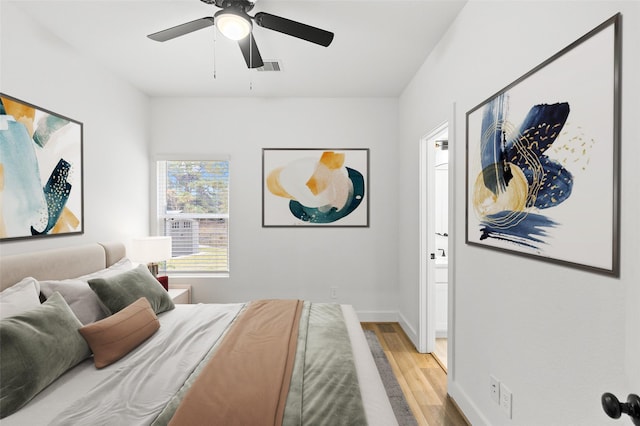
(233, 23)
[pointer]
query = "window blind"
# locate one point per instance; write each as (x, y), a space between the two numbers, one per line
(193, 209)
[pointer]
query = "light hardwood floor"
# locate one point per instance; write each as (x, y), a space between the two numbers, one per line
(422, 379)
(440, 354)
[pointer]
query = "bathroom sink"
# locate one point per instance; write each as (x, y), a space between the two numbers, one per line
(442, 260)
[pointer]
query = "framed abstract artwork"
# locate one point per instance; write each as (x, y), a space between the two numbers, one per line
(542, 160)
(315, 187)
(41, 192)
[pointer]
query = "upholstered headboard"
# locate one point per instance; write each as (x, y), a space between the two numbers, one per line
(59, 264)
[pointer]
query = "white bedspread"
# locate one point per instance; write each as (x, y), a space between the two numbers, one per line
(185, 336)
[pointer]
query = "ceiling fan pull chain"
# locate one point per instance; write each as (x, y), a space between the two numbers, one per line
(250, 61)
(215, 63)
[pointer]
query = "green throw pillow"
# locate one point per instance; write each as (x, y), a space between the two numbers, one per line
(119, 291)
(38, 346)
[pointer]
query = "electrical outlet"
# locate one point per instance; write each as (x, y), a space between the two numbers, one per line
(333, 293)
(494, 389)
(506, 400)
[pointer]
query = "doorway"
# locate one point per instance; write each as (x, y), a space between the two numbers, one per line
(434, 243)
(441, 216)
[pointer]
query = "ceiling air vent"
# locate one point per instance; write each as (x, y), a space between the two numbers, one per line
(270, 66)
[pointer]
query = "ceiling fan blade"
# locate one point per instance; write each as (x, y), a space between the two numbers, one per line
(250, 52)
(293, 28)
(180, 30)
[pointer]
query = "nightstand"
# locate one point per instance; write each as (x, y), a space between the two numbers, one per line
(180, 294)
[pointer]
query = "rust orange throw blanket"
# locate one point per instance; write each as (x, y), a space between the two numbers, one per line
(247, 380)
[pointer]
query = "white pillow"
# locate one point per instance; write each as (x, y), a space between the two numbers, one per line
(20, 297)
(122, 265)
(84, 303)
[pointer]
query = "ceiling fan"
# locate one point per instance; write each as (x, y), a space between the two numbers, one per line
(234, 23)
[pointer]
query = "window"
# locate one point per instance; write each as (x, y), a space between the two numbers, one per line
(193, 209)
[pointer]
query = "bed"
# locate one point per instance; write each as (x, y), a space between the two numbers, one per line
(147, 361)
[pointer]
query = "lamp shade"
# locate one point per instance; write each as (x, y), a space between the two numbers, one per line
(151, 249)
(233, 23)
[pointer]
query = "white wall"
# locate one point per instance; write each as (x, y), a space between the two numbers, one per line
(558, 337)
(41, 69)
(300, 262)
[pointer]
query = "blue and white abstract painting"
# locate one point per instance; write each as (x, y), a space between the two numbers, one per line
(542, 160)
(40, 172)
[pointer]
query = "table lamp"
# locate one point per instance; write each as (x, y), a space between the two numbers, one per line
(151, 250)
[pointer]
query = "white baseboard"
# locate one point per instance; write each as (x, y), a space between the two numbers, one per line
(467, 406)
(411, 332)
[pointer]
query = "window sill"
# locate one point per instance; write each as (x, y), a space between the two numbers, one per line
(192, 275)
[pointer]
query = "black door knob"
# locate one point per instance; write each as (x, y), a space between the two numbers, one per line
(614, 408)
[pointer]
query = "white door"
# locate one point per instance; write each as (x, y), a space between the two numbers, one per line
(430, 227)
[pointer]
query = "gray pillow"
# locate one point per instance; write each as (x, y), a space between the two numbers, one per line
(119, 291)
(38, 346)
(81, 299)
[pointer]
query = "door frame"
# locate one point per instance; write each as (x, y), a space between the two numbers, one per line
(427, 288)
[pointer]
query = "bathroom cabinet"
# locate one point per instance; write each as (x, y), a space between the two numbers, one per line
(442, 294)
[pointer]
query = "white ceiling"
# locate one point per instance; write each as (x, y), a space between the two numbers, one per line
(377, 48)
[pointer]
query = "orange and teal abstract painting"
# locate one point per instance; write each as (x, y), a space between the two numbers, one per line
(315, 187)
(40, 172)
(542, 156)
